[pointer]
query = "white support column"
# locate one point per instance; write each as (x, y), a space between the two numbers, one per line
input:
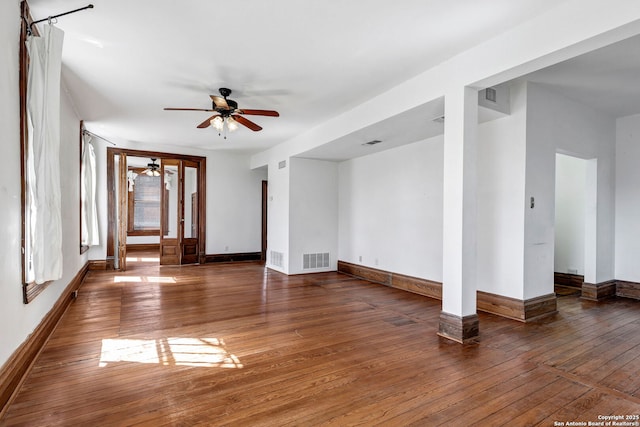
(458, 320)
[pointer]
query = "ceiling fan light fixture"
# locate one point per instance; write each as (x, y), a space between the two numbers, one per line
(232, 124)
(217, 123)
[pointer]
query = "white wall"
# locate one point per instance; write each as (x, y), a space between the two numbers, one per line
(313, 212)
(501, 183)
(18, 320)
(556, 123)
(571, 182)
(234, 204)
(627, 211)
(278, 213)
(390, 209)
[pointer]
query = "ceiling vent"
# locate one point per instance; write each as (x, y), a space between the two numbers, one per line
(374, 142)
(490, 94)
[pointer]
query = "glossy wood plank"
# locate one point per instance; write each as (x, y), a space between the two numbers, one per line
(319, 349)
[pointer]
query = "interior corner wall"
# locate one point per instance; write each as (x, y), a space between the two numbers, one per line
(556, 123)
(390, 209)
(278, 215)
(627, 210)
(18, 320)
(313, 212)
(234, 204)
(501, 184)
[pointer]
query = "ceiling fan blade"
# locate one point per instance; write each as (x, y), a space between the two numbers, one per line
(270, 113)
(246, 122)
(207, 122)
(220, 102)
(188, 109)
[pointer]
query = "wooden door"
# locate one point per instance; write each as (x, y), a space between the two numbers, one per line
(170, 224)
(179, 233)
(122, 213)
(190, 217)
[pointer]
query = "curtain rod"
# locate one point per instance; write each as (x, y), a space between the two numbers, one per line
(59, 15)
(84, 131)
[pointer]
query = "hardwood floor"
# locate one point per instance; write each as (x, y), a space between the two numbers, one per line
(241, 345)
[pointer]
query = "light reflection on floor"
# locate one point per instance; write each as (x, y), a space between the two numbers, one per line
(198, 352)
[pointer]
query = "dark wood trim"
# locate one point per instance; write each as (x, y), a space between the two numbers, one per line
(542, 306)
(26, 20)
(99, 264)
(427, 288)
(363, 272)
(202, 192)
(598, 291)
(265, 204)
(143, 247)
(516, 309)
(237, 257)
(627, 289)
(29, 290)
(18, 365)
(83, 248)
(463, 330)
(570, 280)
(511, 308)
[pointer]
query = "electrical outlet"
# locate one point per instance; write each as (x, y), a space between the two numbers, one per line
(360, 258)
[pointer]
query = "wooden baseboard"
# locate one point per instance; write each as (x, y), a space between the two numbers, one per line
(416, 285)
(513, 308)
(367, 273)
(463, 330)
(18, 365)
(155, 247)
(627, 289)
(98, 264)
(236, 257)
(566, 279)
(598, 291)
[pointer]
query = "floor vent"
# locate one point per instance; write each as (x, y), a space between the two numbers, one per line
(277, 259)
(311, 261)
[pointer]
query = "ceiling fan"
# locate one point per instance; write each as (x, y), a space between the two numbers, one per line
(153, 169)
(227, 111)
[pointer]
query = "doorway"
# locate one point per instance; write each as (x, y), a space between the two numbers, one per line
(575, 215)
(177, 220)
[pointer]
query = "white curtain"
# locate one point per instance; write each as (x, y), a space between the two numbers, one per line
(44, 220)
(88, 194)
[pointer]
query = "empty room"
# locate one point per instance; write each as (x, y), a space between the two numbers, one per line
(320, 213)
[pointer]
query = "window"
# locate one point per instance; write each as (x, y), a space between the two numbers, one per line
(144, 204)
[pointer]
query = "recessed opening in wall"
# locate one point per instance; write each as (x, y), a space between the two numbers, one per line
(572, 223)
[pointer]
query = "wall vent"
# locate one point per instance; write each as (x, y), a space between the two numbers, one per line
(277, 259)
(490, 94)
(374, 142)
(282, 164)
(311, 261)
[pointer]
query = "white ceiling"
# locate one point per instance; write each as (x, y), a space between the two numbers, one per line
(124, 61)
(310, 60)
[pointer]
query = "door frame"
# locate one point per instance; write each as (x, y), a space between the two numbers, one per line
(112, 223)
